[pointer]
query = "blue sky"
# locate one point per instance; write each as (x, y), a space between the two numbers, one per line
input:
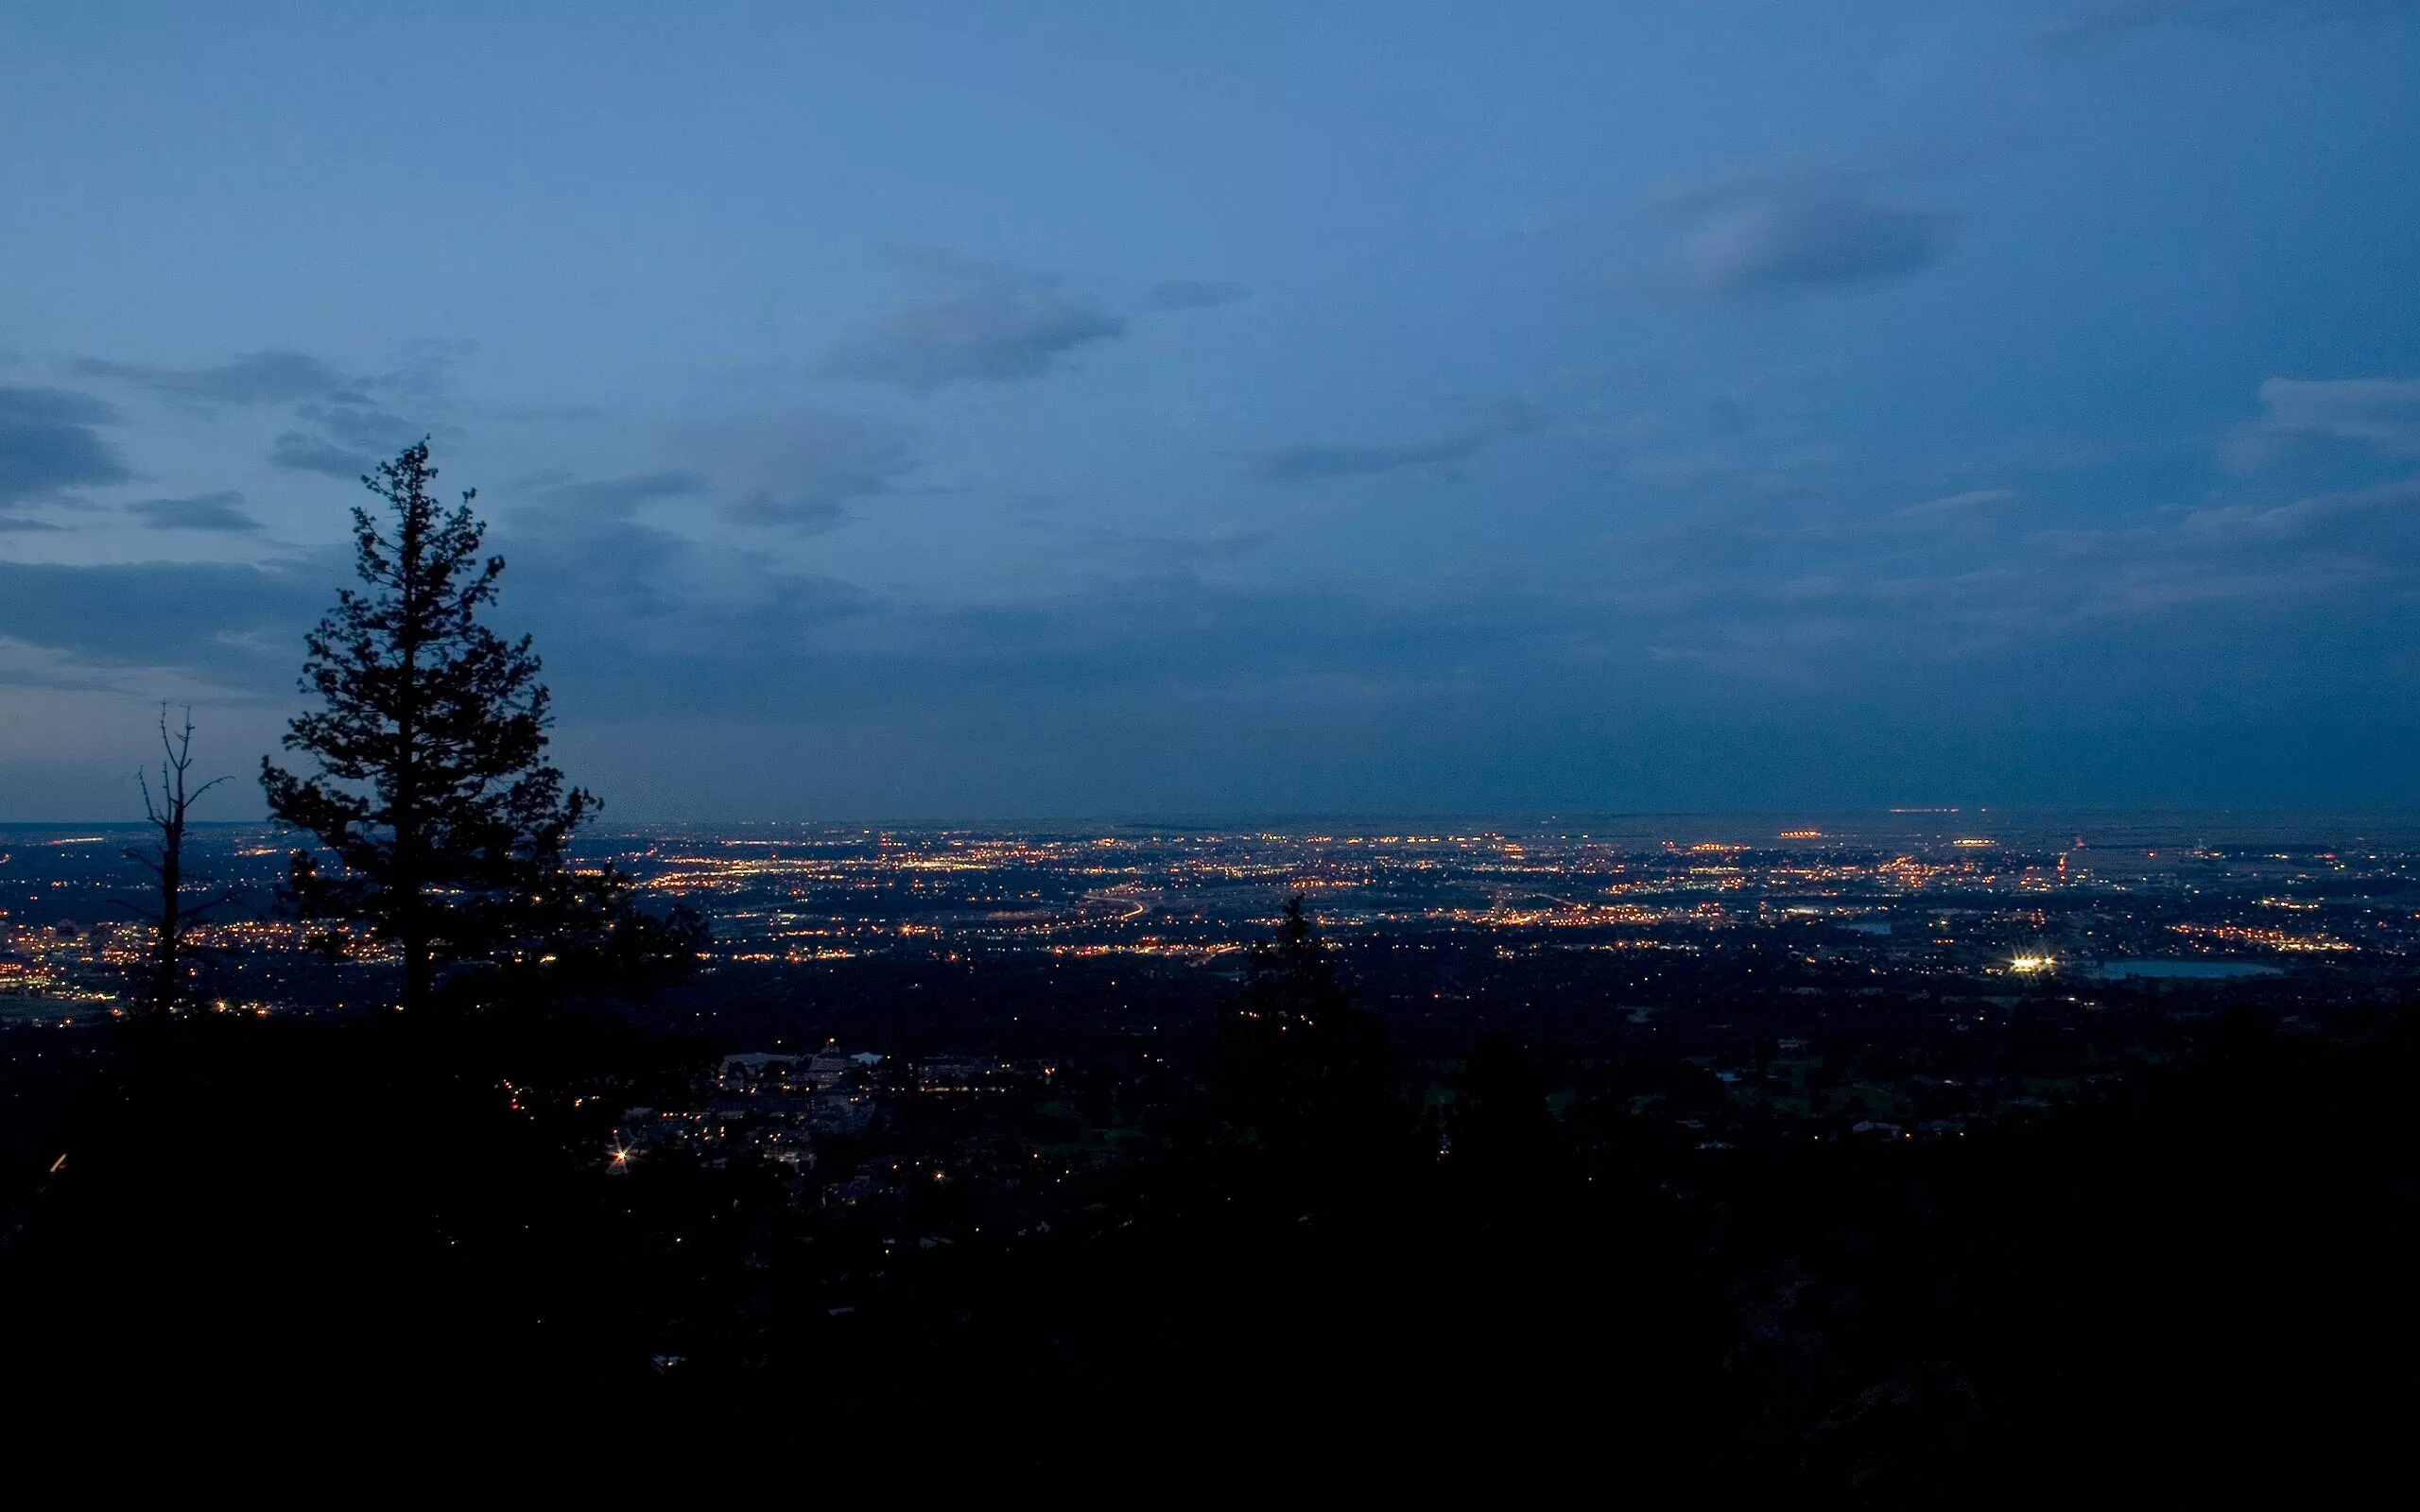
(922, 410)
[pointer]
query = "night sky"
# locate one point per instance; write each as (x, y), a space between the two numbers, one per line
(922, 411)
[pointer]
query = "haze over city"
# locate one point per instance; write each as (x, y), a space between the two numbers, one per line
(933, 413)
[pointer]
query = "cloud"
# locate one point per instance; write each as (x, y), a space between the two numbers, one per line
(618, 602)
(1958, 506)
(256, 378)
(1194, 294)
(304, 453)
(1313, 463)
(1157, 554)
(340, 426)
(543, 414)
(615, 605)
(1838, 594)
(2383, 413)
(1808, 236)
(1226, 543)
(620, 497)
(637, 621)
(2302, 518)
(361, 425)
(425, 369)
(975, 323)
(808, 514)
(201, 511)
(238, 625)
(342, 440)
(803, 471)
(710, 663)
(49, 442)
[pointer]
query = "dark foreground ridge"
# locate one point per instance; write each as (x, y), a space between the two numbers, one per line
(559, 1256)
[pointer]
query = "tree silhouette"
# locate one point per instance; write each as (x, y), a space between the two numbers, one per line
(1304, 1064)
(1293, 977)
(446, 823)
(163, 974)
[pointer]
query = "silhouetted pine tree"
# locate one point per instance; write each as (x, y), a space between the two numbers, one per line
(446, 825)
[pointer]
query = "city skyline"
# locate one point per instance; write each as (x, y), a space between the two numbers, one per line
(1091, 414)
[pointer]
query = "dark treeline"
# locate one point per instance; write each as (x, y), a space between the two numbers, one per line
(383, 1258)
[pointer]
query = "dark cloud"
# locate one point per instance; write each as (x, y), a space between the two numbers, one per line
(202, 511)
(237, 625)
(49, 442)
(1808, 237)
(1311, 463)
(1194, 294)
(973, 323)
(256, 378)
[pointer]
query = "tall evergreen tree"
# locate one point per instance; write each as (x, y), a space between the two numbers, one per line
(433, 797)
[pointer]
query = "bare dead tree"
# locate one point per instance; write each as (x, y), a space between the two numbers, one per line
(164, 858)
